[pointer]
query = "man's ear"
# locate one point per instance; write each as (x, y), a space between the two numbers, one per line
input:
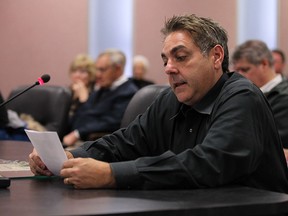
(265, 63)
(218, 56)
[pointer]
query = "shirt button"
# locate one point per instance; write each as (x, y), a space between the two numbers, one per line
(190, 130)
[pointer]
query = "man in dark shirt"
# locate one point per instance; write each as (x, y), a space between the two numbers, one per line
(254, 60)
(210, 129)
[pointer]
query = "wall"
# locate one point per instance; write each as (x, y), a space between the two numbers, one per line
(39, 37)
(283, 30)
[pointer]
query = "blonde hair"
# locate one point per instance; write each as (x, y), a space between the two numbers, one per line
(85, 62)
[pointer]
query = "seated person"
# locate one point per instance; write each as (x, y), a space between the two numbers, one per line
(105, 107)
(140, 68)
(254, 60)
(3, 120)
(212, 128)
(12, 125)
(82, 73)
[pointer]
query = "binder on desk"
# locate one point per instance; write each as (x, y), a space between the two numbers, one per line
(14, 169)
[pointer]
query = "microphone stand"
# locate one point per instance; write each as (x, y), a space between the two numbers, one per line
(5, 102)
(5, 182)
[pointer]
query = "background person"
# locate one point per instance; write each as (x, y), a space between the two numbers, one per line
(12, 125)
(82, 74)
(254, 60)
(104, 109)
(140, 68)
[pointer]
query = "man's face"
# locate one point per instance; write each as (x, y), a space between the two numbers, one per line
(250, 71)
(106, 73)
(191, 75)
(138, 71)
(278, 63)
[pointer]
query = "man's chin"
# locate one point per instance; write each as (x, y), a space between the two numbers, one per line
(181, 98)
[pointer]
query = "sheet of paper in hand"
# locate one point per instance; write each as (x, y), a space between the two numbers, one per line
(49, 148)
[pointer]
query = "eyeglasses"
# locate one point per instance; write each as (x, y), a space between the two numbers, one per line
(102, 69)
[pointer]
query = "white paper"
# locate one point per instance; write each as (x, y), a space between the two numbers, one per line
(49, 148)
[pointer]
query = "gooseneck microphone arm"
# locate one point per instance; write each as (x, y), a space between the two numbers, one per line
(41, 80)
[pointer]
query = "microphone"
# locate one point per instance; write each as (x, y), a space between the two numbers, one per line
(41, 80)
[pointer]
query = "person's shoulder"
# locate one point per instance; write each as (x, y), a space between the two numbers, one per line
(279, 93)
(127, 86)
(282, 87)
(238, 82)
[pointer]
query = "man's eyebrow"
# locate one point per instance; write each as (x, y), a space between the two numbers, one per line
(174, 50)
(177, 48)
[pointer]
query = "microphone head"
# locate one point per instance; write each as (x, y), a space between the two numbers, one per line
(43, 79)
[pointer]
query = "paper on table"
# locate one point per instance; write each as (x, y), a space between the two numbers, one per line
(49, 148)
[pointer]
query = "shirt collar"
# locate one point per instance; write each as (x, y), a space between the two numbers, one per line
(206, 105)
(271, 84)
(122, 79)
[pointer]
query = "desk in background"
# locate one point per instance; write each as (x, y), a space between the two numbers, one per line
(49, 196)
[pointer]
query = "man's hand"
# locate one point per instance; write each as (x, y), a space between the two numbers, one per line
(38, 167)
(88, 173)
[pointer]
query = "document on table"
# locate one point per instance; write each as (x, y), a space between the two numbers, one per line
(49, 148)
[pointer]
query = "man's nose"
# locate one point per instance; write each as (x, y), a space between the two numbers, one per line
(169, 68)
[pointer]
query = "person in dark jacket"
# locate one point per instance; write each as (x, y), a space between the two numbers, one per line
(212, 128)
(105, 106)
(254, 60)
(140, 69)
(3, 118)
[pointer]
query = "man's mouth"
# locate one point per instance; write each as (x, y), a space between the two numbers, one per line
(177, 84)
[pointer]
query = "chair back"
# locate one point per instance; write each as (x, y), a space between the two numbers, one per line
(49, 105)
(142, 99)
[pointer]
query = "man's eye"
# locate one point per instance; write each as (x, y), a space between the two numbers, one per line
(180, 58)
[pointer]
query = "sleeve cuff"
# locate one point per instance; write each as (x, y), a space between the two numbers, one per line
(126, 174)
(79, 152)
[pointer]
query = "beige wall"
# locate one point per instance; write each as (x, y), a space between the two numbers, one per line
(40, 37)
(283, 30)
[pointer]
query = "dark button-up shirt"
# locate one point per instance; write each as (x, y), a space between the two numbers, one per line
(229, 137)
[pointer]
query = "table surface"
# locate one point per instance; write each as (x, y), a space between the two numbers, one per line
(49, 196)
